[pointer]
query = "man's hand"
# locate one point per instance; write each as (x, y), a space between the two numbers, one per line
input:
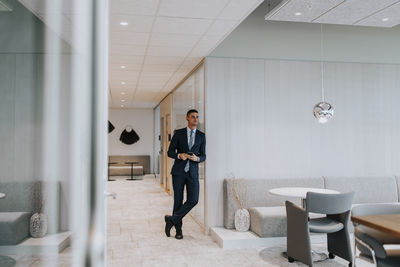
(183, 156)
(193, 158)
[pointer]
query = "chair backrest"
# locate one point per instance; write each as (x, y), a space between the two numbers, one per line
(329, 203)
(375, 209)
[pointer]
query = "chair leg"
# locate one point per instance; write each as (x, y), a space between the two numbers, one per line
(355, 250)
(298, 236)
(339, 244)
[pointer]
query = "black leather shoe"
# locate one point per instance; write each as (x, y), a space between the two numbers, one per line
(168, 225)
(178, 234)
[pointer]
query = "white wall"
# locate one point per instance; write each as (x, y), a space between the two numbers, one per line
(260, 122)
(142, 121)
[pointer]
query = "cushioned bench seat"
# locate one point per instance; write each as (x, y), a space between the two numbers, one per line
(120, 167)
(270, 221)
(120, 170)
(14, 227)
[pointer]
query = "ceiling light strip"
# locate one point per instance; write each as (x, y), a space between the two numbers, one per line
(146, 50)
(5, 7)
(376, 12)
(329, 10)
(277, 9)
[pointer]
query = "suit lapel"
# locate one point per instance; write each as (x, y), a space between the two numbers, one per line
(185, 135)
(196, 138)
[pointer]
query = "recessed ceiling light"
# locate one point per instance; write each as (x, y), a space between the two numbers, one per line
(122, 93)
(123, 23)
(123, 67)
(385, 19)
(122, 106)
(298, 13)
(122, 100)
(123, 83)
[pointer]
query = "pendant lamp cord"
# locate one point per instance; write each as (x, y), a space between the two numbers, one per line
(322, 66)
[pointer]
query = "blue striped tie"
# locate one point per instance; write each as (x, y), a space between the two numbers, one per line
(190, 147)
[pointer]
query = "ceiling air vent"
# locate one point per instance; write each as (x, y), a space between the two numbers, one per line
(4, 6)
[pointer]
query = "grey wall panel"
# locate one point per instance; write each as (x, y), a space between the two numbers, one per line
(27, 139)
(7, 116)
(235, 128)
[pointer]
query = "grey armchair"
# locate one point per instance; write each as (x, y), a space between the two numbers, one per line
(334, 224)
(376, 245)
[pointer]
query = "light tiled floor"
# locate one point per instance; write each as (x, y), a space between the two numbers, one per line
(136, 236)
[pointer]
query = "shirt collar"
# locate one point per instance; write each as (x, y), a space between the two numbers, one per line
(188, 130)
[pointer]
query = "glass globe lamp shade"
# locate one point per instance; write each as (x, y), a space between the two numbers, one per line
(323, 112)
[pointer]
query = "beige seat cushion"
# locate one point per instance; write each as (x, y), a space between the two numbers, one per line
(270, 221)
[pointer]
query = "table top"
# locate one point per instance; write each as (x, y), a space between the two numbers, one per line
(388, 223)
(2, 195)
(113, 163)
(131, 162)
(299, 192)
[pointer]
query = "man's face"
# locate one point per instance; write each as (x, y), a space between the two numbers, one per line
(193, 119)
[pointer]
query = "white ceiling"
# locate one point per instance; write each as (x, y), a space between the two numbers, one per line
(377, 13)
(163, 41)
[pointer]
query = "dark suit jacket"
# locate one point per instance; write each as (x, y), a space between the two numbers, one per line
(179, 144)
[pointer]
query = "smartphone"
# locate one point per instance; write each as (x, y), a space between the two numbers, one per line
(190, 153)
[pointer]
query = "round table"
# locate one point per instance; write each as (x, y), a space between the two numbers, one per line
(131, 163)
(301, 192)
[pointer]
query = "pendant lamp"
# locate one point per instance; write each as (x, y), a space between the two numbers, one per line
(323, 111)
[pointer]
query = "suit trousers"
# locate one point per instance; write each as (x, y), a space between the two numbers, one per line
(192, 196)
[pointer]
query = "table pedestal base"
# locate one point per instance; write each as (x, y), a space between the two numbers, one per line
(134, 179)
(316, 256)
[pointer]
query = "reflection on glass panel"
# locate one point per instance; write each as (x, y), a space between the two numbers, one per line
(190, 95)
(45, 133)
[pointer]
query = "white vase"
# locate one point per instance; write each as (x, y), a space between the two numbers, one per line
(242, 220)
(38, 225)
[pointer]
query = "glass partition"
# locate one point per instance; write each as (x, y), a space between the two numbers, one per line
(190, 95)
(53, 115)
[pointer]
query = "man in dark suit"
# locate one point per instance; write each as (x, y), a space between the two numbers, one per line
(188, 148)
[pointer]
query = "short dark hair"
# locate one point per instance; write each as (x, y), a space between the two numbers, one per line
(191, 111)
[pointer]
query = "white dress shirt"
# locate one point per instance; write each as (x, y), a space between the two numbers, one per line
(188, 137)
